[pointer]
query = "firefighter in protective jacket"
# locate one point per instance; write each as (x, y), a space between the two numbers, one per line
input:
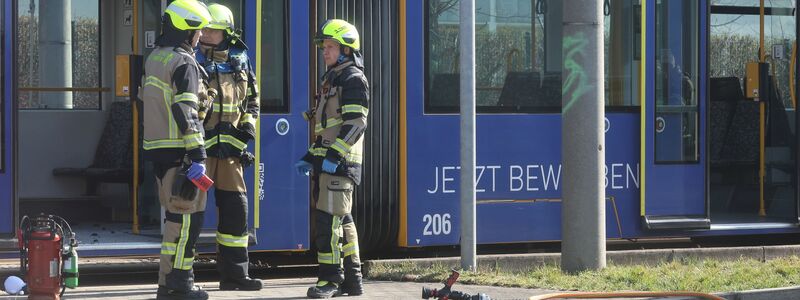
(229, 116)
(335, 158)
(174, 142)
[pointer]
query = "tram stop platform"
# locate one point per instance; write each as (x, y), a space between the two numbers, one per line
(136, 275)
(294, 288)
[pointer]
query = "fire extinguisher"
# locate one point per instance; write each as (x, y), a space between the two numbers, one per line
(48, 257)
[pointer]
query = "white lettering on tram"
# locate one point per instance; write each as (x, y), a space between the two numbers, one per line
(528, 178)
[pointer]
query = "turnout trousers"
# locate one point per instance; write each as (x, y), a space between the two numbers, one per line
(336, 237)
(230, 193)
(184, 218)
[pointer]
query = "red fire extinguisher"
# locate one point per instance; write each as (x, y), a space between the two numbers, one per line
(42, 241)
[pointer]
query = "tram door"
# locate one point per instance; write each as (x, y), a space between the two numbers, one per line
(673, 156)
(277, 197)
(152, 12)
(7, 207)
(752, 114)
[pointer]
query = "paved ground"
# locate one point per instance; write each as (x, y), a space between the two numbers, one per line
(291, 289)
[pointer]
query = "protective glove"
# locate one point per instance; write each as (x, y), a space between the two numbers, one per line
(182, 187)
(303, 167)
(189, 190)
(329, 166)
(196, 170)
(247, 159)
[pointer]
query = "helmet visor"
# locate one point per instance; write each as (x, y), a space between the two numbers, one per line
(320, 38)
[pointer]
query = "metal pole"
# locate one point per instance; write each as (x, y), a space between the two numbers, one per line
(55, 52)
(583, 222)
(467, 188)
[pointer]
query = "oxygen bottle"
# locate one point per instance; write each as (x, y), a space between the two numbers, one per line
(70, 269)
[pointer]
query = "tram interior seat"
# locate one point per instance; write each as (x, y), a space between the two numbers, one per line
(113, 156)
(725, 93)
(734, 146)
(530, 89)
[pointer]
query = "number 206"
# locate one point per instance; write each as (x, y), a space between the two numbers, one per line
(436, 224)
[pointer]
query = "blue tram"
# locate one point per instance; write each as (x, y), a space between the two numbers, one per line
(700, 120)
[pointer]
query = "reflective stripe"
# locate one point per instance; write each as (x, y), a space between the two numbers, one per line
(233, 141)
(188, 97)
(161, 144)
(355, 108)
(326, 258)
(350, 249)
(353, 157)
(187, 263)
(193, 140)
(166, 91)
(182, 241)
(231, 240)
(168, 248)
(341, 146)
(336, 250)
(247, 119)
(154, 81)
(330, 123)
(228, 139)
(318, 151)
(226, 107)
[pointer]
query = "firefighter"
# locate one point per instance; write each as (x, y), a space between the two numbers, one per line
(230, 118)
(335, 158)
(173, 141)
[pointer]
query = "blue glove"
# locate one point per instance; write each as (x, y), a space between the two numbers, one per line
(303, 167)
(329, 166)
(196, 170)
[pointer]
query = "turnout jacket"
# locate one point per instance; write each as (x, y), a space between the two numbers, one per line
(340, 118)
(170, 88)
(232, 106)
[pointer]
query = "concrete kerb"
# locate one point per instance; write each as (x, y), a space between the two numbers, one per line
(765, 294)
(524, 262)
(103, 264)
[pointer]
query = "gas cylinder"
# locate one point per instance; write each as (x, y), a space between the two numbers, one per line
(45, 241)
(44, 264)
(70, 272)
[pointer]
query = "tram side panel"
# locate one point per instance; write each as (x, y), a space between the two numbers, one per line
(519, 178)
(519, 173)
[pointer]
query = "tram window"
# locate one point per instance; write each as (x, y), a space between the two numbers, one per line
(52, 74)
(622, 53)
(273, 63)
(676, 111)
(518, 45)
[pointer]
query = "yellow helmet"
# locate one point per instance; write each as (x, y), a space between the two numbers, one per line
(221, 18)
(340, 31)
(188, 14)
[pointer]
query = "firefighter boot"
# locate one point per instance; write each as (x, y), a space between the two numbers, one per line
(179, 285)
(353, 284)
(244, 284)
(324, 289)
(195, 293)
